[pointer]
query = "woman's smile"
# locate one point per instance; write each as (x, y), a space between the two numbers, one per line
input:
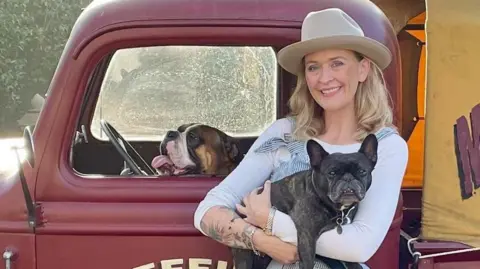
(331, 91)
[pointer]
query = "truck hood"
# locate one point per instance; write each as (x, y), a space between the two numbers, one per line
(8, 161)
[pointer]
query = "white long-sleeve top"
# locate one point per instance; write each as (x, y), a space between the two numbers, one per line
(359, 239)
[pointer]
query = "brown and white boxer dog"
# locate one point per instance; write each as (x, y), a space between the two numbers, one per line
(197, 149)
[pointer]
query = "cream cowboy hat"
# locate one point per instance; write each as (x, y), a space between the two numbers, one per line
(332, 28)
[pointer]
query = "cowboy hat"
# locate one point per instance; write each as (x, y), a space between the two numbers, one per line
(332, 28)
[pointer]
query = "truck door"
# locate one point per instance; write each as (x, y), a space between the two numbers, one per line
(97, 215)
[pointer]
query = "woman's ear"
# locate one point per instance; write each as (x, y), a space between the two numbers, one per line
(363, 69)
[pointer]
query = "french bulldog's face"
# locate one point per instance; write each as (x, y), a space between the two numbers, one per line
(344, 177)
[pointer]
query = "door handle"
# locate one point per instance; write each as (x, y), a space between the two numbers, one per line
(8, 256)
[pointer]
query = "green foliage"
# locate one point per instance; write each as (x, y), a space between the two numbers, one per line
(167, 87)
(32, 36)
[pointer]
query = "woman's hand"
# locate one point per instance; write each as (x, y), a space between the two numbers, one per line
(257, 206)
(280, 251)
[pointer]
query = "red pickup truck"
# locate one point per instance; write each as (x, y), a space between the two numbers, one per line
(136, 69)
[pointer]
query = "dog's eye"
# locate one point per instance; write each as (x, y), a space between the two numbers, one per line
(332, 173)
(192, 136)
(362, 172)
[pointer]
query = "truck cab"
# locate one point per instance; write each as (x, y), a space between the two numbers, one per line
(86, 195)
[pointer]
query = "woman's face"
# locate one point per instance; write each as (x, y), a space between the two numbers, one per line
(333, 76)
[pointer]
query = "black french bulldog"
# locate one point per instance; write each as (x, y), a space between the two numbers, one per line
(317, 199)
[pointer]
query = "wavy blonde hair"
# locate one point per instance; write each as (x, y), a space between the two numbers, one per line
(372, 107)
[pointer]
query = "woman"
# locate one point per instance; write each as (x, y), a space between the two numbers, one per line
(340, 97)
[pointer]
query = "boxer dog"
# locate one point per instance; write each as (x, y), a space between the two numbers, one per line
(319, 199)
(197, 149)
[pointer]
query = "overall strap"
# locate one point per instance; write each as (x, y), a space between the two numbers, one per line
(299, 160)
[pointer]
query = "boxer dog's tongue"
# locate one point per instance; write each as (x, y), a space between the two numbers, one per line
(165, 165)
(160, 161)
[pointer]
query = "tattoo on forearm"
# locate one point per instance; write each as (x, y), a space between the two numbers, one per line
(224, 234)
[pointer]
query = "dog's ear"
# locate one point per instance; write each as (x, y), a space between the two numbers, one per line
(369, 148)
(232, 148)
(315, 152)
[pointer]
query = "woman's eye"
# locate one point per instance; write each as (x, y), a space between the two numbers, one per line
(337, 64)
(312, 68)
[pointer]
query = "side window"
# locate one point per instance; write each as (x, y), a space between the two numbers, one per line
(147, 91)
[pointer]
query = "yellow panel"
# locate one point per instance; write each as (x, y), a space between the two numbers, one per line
(421, 84)
(452, 29)
(414, 174)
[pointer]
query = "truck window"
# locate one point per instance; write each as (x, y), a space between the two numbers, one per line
(147, 91)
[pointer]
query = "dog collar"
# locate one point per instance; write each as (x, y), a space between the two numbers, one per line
(344, 218)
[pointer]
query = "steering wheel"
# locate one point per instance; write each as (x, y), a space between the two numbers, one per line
(136, 164)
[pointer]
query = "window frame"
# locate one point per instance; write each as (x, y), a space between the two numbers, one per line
(95, 57)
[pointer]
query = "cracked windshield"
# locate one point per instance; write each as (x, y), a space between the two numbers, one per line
(148, 91)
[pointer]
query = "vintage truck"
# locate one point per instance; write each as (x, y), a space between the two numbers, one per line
(132, 70)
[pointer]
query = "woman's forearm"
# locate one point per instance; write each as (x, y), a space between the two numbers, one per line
(225, 226)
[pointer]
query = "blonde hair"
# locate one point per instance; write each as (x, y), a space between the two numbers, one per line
(372, 107)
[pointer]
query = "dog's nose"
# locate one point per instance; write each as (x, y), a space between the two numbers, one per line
(348, 178)
(172, 134)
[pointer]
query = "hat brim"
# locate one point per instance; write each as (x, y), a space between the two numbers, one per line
(290, 57)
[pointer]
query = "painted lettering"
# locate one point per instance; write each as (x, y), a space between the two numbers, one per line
(169, 264)
(193, 263)
(222, 265)
(146, 266)
(467, 151)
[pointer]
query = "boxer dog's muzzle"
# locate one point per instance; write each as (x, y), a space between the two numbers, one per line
(197, 149)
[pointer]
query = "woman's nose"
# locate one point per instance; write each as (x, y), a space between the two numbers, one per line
(325, 75)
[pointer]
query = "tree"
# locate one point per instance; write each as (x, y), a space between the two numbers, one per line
(32, 38)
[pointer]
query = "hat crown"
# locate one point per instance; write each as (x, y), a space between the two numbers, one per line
(329, 22)
(332, 28)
